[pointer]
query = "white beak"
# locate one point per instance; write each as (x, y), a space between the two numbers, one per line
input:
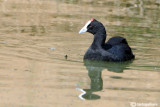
(84, 29)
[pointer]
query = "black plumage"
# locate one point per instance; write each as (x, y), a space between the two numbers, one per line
(116, 49)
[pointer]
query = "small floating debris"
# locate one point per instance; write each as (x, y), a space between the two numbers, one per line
(15, 69)
(52, 49)
(4, 42)
(66, 56)
(27, 70)
(77, 85)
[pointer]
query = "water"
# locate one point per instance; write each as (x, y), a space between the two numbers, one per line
(42, 54)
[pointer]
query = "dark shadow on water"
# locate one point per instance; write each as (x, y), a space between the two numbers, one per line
(94, 72)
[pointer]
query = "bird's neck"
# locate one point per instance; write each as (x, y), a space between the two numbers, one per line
(99, 39)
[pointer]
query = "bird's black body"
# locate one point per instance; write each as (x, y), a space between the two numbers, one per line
(115, 50)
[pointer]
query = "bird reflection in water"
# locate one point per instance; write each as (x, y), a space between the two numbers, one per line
(95, 69)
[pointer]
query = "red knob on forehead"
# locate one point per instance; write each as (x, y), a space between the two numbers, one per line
(92, 19)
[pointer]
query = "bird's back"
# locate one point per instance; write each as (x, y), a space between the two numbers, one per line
(119, 47)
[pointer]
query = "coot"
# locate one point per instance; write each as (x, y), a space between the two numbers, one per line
(115, 50)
